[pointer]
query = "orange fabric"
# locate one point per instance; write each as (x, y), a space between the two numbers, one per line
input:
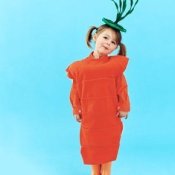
(74, 98)
(122, 94)
(99, 88)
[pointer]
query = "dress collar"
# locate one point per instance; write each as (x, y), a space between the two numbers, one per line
(104, 57)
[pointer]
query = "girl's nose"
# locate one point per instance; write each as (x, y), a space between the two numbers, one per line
(108, 42)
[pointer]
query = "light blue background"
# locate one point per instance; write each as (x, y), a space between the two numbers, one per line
(38, 39)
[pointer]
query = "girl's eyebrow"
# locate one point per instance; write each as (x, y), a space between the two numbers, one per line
(110, 37)
(106, 34)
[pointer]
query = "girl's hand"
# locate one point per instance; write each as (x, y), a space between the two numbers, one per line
(123, 114)
(77, 117)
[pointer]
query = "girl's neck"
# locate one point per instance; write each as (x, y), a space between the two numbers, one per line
(96, 54)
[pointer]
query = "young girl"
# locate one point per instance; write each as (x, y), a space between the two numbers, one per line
(99, 97)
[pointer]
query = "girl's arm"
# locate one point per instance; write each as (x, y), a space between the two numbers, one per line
(74, 99)
(123, 98)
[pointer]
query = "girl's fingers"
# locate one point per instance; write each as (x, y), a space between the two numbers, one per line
(78, 117)
(123, 115)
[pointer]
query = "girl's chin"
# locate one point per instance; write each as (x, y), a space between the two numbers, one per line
(104, 53)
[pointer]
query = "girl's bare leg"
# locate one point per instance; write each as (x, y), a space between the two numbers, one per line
(96, 169)
(106, 168)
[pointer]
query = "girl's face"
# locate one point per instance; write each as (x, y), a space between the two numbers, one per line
(105, 42)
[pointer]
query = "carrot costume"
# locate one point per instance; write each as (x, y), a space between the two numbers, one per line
(99, 88)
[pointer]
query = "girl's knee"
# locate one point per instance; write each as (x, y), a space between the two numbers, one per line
(95, 173)
(103, 172)
(96, 170)
(106, 169)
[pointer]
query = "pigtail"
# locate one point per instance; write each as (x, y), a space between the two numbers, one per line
(122, 50)
(89, 36)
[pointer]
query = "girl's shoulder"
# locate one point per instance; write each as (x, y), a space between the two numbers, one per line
(76, 63)
(120, 62)
(73, 68)
(120, 57)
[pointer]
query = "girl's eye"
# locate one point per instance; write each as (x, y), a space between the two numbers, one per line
(105, 37)
(113, 42)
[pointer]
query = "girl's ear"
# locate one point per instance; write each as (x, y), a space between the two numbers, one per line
(94, 37)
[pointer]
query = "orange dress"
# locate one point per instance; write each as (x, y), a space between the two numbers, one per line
(99, 88)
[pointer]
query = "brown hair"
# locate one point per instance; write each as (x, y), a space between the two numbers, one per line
(89, 36)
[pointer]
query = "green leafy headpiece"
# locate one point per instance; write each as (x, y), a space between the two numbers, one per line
(121, 14)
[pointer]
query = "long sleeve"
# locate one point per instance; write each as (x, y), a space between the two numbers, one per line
(74, 99)
(122, 94)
